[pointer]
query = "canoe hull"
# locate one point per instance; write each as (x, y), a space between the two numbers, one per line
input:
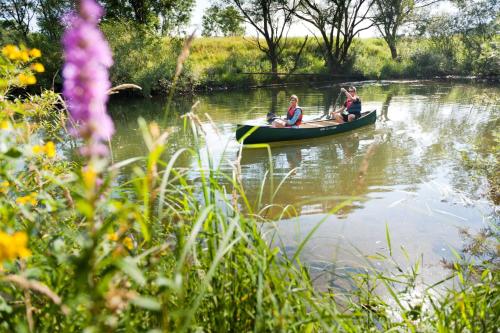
(262, 134)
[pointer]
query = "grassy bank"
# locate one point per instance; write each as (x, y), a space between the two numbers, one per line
(148, 60)
(138, 246)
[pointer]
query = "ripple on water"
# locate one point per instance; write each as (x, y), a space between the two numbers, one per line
(406, 171)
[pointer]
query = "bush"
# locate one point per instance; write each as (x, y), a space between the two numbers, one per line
(428, 63)
(143, 58)
(488, 62)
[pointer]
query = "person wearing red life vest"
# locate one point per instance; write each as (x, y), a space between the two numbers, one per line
(293, 116)
(351, 109)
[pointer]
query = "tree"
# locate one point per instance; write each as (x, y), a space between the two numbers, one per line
(19, 13)
(474, 27)
(478, 24)
(338, 22)
(222, 21)
(271, 19)
(390, 15)
(173, 14)
(163, 15)
(49, 16)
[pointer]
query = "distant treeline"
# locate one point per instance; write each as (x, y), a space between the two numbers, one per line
(146, 38)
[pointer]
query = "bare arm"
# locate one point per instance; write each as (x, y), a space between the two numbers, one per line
(347, 93)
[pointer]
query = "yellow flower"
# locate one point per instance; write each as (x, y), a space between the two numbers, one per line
(22, 200)
(24, 56)
(4, 186)
(26, 79)
(113, 236)
(38, 67)
(13, 246)
(20, 240)
(30, 198)
(10, 51)
(127, 241)
(89, 177)
(129, 244)
(35, 53)
(50, 149)
(37, 149)
(4, 124)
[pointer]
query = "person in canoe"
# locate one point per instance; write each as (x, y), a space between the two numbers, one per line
(351, 109)
(293, 116)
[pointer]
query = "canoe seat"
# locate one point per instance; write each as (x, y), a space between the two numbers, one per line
(317, 124)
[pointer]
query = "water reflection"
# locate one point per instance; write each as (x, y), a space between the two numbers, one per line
(419, 128)
(385, 108)
(327, 171)
(406, 170)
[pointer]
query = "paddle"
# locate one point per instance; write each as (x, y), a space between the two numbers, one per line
(334, 105)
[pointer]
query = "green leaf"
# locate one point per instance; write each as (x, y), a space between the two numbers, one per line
(14, 153)
(148, 303)
(4, 307)
(33, 273)
(388, 237)
(85, 208)
(129, 267)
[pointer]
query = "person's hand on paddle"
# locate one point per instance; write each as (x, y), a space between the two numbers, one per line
(343, 90)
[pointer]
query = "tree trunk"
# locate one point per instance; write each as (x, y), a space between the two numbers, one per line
(332, 64)
(139, 8)
(392, 47)
(274, 101)
(274, 66)
(329, 64)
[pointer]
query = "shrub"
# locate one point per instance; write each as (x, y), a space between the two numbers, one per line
(143, 58)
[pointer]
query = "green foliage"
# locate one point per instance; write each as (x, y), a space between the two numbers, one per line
(488, 61)
(50, 17)
(164, 16)
(143, 58)
(226, 21)
(147, 248)
(390, 15)
(469, 38)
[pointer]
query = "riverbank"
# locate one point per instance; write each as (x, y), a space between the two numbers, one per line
(222, 63)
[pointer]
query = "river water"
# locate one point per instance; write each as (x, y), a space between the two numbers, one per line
(405, 173)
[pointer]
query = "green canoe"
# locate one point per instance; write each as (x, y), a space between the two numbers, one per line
(308, 129)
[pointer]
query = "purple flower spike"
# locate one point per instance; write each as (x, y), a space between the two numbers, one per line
(91, 11)
(86, 81)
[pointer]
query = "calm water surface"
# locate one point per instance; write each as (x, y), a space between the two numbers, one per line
(406, 171)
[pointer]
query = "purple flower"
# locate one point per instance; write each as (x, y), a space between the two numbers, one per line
(86, 82)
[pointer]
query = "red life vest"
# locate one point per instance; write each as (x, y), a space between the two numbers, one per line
(290, 114)
(348, 104)
(353, 107)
